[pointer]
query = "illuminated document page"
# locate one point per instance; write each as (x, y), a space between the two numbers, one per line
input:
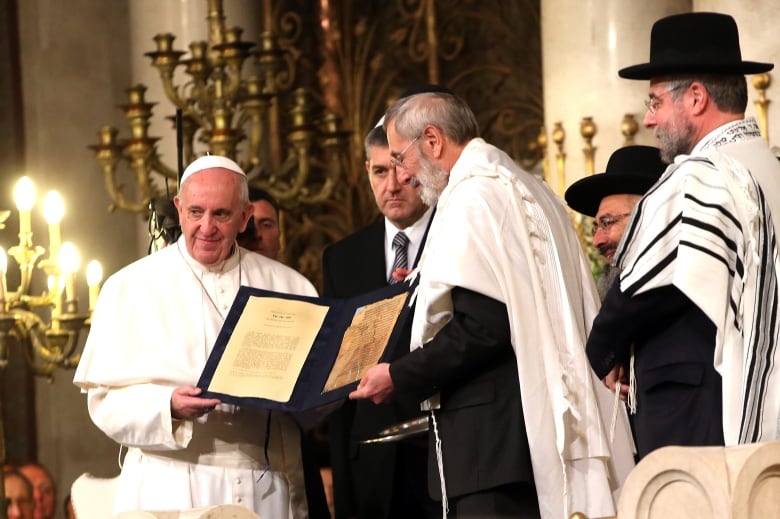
(365, 340)
(267, 349)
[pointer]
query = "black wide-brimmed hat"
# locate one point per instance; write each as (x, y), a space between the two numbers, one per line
(630, 170)
(699, 43)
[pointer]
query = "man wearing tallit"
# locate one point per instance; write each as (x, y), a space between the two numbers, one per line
(153, 329)
(697, 297)
(504, 303)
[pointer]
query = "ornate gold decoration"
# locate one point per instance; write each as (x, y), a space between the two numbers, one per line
(588, 131)
(761, 82)
(629, 128)
(48, 343)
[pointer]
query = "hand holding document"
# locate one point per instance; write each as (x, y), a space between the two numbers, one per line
(288, 352)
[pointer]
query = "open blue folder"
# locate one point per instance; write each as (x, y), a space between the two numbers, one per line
(308, 391)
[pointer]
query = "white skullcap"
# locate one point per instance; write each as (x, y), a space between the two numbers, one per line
(208, 162)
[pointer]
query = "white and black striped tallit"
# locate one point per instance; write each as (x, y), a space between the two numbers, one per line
(705, 228)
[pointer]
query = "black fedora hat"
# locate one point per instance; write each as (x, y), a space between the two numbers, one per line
(699, 43)
(630, 170)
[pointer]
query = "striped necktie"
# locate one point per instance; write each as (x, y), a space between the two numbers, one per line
(400, 243)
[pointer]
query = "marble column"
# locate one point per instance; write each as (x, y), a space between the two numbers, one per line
(584, 43)
(758, 24)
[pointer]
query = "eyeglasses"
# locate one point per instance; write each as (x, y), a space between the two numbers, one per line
(654, 102)
(607, 221)
(398, 160)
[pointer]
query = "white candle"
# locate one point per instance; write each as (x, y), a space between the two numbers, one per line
(94, 277)
(53, 210)
(69, 264)
(24, 197)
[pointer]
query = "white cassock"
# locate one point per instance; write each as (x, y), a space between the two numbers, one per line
(153, 328)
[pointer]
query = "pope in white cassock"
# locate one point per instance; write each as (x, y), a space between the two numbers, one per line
(153, 328)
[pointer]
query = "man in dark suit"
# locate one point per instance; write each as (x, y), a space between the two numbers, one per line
(378, 480)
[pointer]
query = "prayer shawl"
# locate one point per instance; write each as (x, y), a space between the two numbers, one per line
(501, 232)
(706, 228)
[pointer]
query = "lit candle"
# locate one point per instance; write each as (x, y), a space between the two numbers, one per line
(53, 209)
(24, 197)
(94, 277)
(3, 268)
(69, 263)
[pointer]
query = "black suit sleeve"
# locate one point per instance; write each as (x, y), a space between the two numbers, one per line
(624, 320)
(476, 337)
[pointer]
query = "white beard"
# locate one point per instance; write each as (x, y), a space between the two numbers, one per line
(431, 179)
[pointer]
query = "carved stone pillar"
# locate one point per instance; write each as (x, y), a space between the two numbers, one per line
(583, 46)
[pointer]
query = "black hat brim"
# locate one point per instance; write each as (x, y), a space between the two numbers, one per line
(585, 195)
(651, 70)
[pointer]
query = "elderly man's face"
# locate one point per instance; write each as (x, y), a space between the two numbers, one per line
(43, 491)
(398, 202)
(414, 167)
(211, 214)
(611, 220)
(21, 504)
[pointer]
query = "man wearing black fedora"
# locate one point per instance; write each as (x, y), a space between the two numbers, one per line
(697, 297)
(610, 197)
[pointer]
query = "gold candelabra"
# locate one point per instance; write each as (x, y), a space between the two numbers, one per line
(48, 341)
(231, 95)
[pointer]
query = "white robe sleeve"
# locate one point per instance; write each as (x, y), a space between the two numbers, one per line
(138, 416)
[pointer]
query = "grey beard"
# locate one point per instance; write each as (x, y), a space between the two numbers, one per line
(675, 141)
(606, 280)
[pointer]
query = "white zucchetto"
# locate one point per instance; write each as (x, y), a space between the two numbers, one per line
(208, 162)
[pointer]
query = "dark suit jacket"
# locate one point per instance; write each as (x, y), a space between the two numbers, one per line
(472, 364)
(364, 475)
(679, 396)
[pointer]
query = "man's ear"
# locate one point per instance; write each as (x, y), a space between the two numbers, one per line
(433, 140)
(699, 98)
